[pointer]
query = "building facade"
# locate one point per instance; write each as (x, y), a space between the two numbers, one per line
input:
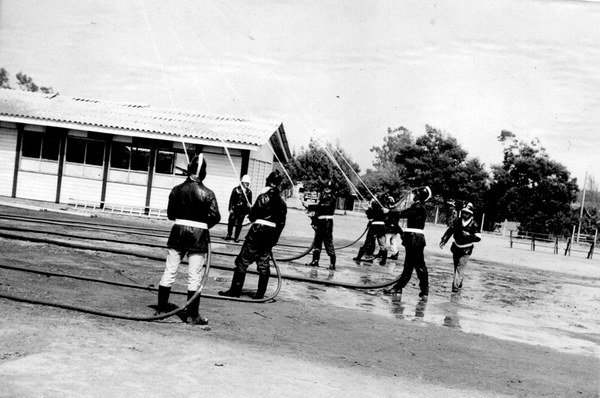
(72, 150)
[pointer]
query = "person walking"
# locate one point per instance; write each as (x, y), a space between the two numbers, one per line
(268, 217)
(194, 209)
(323, 224)
(466, 232)
(239, 205)
(414, 243)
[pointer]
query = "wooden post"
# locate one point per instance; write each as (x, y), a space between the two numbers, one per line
(591, 252)
(437, 210)
(511, 241)
(556, 245)
(533, 242)
(482, 220)
(568, 248)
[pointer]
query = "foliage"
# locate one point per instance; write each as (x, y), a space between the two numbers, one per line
(532, 189)
(438, 161)
(24, 82)
(314, 168)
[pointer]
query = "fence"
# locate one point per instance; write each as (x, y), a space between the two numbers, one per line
(556, 243)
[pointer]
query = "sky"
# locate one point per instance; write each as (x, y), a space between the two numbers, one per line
(333, 71)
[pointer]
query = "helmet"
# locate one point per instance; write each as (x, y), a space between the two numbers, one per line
(194, 172)
(328, 185)
(468, 208)
(246, 178)
(389, 200)
(423, 194)
(274, 178)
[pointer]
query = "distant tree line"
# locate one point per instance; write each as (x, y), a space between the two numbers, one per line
(528, 187)
(24, 83)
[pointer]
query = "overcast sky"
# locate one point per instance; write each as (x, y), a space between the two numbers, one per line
(333, 70)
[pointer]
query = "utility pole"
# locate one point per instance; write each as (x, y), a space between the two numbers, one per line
(582, 205)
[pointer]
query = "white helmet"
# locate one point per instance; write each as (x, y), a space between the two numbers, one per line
(246, 178)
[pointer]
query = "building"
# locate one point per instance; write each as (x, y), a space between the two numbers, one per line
(74, 150)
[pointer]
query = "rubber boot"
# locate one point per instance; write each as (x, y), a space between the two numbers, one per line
(263, 282)
(358, 257)
(332, 262)
(315, 260)
(163, 300)
(229, 230)
(237, 283)
(193, 317)
(383, 257)
(238, 231)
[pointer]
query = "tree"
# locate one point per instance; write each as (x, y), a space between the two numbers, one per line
(314, 167)
(438, 161)
(530, 188)
(24, 83)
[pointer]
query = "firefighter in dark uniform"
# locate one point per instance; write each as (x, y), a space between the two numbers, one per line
(194, 209)
(239, 205)
(322, 222)
(413, 241)
(268, 215)
(466, 232)
(375, 234)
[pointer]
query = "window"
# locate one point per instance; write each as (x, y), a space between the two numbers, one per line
(128, 157)
(40, 146)
(85, 151)
(169, 162)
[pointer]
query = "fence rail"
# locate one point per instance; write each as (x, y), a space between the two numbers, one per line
(537, 241)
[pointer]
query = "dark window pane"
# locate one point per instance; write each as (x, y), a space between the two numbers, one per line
(50, 146)
(32, 145)
(119, 156)
(75, 150)
(140, 158)
(180, 164)
(95, 153)
(164, 162)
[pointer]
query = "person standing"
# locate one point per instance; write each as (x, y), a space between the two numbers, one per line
(413, 240)
(268, 216)
(392, 228)
(194, 209)
(466, 232)
(323, 225)
(375, 234)
(239, 205)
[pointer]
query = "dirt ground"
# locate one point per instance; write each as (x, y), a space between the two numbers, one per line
(526, 324)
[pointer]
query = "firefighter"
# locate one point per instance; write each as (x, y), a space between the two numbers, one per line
(466, 232)
(375, 234)
(413, 241)
(194, 209)
(268, 216)
(239, 205)
(322, 222)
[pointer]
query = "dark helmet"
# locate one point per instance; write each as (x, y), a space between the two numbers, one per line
(423, 194)
(194, 172)
(328, 185)
(274, 178)
(468, 208)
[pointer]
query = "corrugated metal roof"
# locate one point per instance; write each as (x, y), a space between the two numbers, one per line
(95, 115)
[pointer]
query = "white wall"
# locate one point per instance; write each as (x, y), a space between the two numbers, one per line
(37, 186)
(8, 146)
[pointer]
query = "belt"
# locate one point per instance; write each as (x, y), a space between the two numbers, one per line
(413, 230)
(190, 223)
(325, 217)
(377, 222)
(265, 222)
(463, 246)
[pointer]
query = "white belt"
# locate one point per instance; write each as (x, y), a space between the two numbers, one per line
(325, 217)
(413, 230)
(463, 246)
(191, 223)
(265, 222)
(377, 222)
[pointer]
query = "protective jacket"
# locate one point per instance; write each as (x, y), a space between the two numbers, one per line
(238, 202)
(415, 223)
(377, 218)
(269, 207)
(323, 211)
(192, 201)
(465, 234)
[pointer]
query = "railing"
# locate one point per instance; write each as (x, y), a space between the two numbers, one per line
(545, 241)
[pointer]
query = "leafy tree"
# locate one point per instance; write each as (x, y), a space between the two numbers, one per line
(314, 168)
(438, 161)
(24, 82)
(532, 189)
